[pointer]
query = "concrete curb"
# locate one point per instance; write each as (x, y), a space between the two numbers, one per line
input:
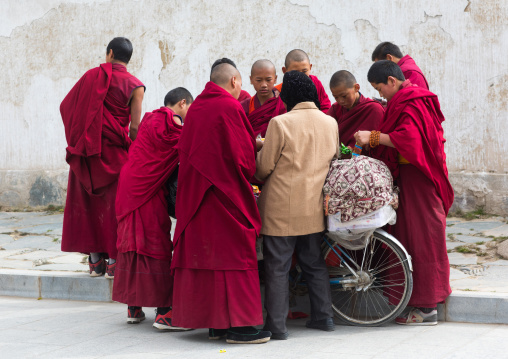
(461, 306)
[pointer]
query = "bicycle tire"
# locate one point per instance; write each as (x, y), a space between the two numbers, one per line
(371, 305)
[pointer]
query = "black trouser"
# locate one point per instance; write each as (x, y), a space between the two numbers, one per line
(277, 253)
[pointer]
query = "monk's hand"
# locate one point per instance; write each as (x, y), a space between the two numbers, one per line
(362, 137)
(259, 144)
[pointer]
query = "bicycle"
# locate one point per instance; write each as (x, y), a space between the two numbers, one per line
(370, 286)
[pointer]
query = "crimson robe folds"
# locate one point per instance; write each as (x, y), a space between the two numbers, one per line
(413, 121)
(260, 115)
(96, 115)
(216, 284)
(143, 274)
(412, 72)
(365, 116)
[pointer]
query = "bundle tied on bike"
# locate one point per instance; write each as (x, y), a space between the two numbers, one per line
(358, 198)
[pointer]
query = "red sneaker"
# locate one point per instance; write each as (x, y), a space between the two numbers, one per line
(110, 270)
(97, 269)
(163, 322)
(135, 315)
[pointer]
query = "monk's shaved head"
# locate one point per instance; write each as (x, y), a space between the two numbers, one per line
(342, 78)
(296, 55)
(222, 74)
(261, 65)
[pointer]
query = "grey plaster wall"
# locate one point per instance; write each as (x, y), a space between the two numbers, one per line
(48, 44)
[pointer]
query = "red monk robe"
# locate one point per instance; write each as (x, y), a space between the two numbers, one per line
(413, 121)
(216, 282)
(143, 273)
(260, 115)
(366, 115)
(324, 101)
(243, 96)
(96, 115)
(412, 72)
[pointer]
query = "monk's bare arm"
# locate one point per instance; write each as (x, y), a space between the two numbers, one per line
(269, 155)
(362, 138)
(136, 102)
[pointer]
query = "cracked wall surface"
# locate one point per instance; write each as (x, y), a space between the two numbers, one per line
(48, 44)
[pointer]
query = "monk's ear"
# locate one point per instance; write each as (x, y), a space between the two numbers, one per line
(310, 68)
(284, 70)
(275, 79)
(392, 80)
(389, 57)
(250, 78)
(182, 103)
(357, 87)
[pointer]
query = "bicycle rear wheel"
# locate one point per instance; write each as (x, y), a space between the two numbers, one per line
(375, 285)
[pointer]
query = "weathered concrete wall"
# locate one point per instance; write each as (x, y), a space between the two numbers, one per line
(48, 44)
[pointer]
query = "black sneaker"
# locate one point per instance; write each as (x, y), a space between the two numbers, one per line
(135, 315)
(216, 334)
(247, 335)
(97, 269)
(325, 324)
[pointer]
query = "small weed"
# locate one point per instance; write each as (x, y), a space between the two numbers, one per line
(464, 249)
(450, 225)
(449, 250)
(52, 208)
(499, 239)
(55, 239)
(477, 213)
(480, 243)
(451, 236)
(481, 254)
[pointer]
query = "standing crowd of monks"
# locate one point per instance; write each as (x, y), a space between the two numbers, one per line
(283, 138)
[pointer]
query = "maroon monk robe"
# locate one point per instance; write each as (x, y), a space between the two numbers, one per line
(413, 121)
(412, 72)
(243, 96)
(216, 283)
(96, 115)
(260, 115)
(366, 115)
(324, 101)
(143, 273)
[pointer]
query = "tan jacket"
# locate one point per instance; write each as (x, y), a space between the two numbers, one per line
(294, 162)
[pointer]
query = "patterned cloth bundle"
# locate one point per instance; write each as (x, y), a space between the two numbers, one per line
(357, 187)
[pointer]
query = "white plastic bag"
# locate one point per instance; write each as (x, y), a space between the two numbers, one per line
(376, 219)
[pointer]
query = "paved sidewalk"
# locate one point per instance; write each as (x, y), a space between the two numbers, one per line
(72, 329)
(32, 265)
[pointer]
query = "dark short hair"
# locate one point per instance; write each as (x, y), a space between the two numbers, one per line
(224, 60)
(386, 48)
(380, 70)
(176, 95)
(122, 49)
(298, 87)
(342, 77)
(296, 55)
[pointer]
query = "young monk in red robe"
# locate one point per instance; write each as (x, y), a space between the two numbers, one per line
(96, 114)
(143, 274)
(243, 94)
(216, 283)
(411, 143)
(265, 104)
(298, 60)
(352, 111)
(389, 51)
